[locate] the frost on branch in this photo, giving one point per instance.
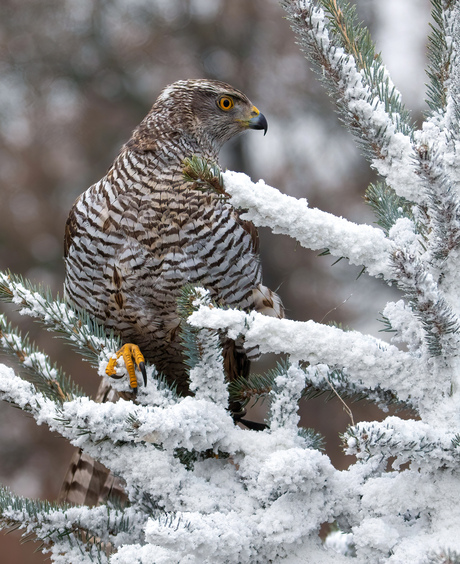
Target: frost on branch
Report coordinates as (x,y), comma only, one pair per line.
(402,516)
(202,489)
(198,486)
(312,228)
(79,329)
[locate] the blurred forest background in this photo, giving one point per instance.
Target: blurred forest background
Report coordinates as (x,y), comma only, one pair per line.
(76,76)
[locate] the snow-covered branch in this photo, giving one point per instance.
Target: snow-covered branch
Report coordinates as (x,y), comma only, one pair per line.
(81,331)
(249,486)
(366,359)
(440,322)
(367,99)
(285,395)
(71,527)
(207,374)
(413,441)
(45,376)
(191,424)
(314,229)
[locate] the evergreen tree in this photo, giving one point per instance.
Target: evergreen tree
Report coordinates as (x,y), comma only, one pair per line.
(203,490)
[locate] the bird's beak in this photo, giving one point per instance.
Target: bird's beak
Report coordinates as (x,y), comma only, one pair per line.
(258,120)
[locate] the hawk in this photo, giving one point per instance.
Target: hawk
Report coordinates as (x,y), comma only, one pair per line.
(134,239)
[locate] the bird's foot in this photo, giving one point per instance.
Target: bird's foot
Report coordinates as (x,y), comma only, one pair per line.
(132,357)
(238,412)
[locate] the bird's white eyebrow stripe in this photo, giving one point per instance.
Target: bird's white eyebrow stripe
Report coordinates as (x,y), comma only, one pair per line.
(166,93)
(207,86)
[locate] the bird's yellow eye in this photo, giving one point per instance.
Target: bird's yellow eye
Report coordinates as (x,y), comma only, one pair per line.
(226,103)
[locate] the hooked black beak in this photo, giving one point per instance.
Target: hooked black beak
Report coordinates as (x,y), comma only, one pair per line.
(258,122)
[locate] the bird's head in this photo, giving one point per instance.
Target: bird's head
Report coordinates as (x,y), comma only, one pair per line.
(221,112)
(203,112)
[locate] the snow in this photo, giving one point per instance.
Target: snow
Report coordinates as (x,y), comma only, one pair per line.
(14,388)
(339,542)
(313,228)
(201,488)
(396,158)
(366,359)
(284,398)
(408,328)
(413,440)
(207,376)
(403,233)
(274,469)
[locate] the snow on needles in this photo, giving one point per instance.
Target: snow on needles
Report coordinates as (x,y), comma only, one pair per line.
(365,358)
(362,102)
(201,489)
(235,511)
(313,228)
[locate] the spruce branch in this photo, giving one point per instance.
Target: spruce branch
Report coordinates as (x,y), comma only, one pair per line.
(400,319)
(253,388)
(409,440)
(202,350)
(106,431)
(321,377)
(443,72)
(445,220)
(388,327)
(204,174)
(78,328)
(440,322)
(356,41)
(387,206)
(439,58)
(318,380)
(60,527)
(284,397)
(367,100)
(438,141)
(314,229)
(319,344)
(311,438)
(36,366)
(440,216)
(99,427)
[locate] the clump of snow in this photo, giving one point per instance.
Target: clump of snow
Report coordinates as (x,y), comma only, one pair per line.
(407,327)
(403,233)
(284,398)
(367,360)
(340,542)
(313,228)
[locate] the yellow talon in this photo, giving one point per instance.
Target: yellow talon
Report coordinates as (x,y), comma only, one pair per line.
(131,355)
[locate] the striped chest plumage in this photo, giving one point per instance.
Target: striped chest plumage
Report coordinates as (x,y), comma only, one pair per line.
(137,238)
(139,235)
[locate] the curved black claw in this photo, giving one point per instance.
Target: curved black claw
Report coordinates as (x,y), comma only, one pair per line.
(253,425)
(239,412)
(144,372)
(117,376)
(134,391)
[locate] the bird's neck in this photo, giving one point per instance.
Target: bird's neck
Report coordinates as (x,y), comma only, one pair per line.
(160,164)
(164,154)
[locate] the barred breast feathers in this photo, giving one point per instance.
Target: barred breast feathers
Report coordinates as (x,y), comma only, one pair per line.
(136,237)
